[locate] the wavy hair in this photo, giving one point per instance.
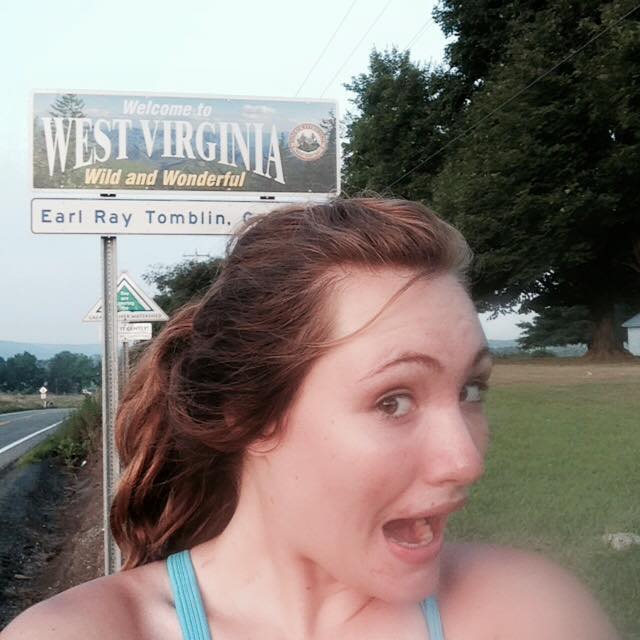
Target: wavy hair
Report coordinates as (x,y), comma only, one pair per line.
(225,368)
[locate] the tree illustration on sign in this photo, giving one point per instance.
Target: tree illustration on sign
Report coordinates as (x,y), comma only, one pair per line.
(67,106)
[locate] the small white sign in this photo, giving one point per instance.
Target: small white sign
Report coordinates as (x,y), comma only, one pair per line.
(134,331)
(134,305)
(141,217)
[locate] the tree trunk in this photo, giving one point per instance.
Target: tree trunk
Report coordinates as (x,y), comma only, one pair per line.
(606,342)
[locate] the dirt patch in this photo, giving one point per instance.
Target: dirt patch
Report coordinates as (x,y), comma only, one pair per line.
(559,371)
(51,535)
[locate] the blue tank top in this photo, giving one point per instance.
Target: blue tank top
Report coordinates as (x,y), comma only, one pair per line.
(193,619)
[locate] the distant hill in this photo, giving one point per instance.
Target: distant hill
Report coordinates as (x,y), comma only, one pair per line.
(46,351)
(499,345)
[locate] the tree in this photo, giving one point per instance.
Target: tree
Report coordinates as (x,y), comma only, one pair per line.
(545,189)
(394,127)
(3,373)
(407,114)
(70,372)
(538,168)
(557,327)
(23,372)
(182,283)
(481,32)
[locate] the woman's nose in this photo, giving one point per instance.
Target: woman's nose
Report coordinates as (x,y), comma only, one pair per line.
(455,448)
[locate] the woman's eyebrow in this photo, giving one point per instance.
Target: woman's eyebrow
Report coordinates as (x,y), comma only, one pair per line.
(415,357)
(409,357)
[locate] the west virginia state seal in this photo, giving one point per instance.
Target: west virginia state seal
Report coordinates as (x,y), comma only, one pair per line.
(308,141)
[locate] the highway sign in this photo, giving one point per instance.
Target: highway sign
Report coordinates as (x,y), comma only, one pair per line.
(141,143)
(134,305)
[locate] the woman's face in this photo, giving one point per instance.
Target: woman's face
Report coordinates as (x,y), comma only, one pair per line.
(385,437)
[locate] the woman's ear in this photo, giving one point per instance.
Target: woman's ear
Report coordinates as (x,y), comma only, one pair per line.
(266,443)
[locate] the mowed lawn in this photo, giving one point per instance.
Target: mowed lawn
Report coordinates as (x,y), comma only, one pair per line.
(562,471)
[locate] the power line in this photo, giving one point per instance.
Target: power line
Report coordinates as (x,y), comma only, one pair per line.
(373,24)
(418,33)
(513,97)
(315,64)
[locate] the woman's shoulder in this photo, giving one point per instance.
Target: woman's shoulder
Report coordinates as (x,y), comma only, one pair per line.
(130,604)
(509,592)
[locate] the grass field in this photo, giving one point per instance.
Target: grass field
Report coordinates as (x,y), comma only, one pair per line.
(17,402)
(563,470)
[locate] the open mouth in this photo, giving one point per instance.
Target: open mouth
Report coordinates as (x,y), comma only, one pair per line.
(410,533)
(416,540)
(420,539)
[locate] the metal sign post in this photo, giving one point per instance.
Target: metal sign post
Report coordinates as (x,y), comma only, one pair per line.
(111,464)
(124,374)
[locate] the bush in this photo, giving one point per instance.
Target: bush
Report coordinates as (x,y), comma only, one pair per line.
(77,438)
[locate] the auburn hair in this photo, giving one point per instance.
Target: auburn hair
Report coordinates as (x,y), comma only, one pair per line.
(227,367)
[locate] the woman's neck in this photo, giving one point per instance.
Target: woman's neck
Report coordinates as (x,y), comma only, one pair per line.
(251,567)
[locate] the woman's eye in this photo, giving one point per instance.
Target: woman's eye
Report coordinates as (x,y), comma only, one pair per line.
(396,406)
(473,392)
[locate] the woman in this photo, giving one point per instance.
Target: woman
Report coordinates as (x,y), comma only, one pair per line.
(295,443)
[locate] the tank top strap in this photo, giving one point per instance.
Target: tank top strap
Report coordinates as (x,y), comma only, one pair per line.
(431,613)
(193,619)
(187,598)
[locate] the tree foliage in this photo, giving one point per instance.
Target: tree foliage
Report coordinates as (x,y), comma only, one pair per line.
(388,136)
(184,282)
(559,326)
(66,372)
(556,327)
(541,152)
(21,372)
(543,188)
(71,372)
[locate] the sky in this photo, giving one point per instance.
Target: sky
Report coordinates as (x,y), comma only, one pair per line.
(49,282)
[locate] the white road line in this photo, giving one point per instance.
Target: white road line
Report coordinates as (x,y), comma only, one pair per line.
(32,435)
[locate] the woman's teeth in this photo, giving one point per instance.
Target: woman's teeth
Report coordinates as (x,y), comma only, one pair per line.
(409,533)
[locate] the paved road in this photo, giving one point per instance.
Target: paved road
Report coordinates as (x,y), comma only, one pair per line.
(15,427)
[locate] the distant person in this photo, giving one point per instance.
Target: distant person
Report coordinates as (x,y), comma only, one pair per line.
(294,444)
(43,395)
